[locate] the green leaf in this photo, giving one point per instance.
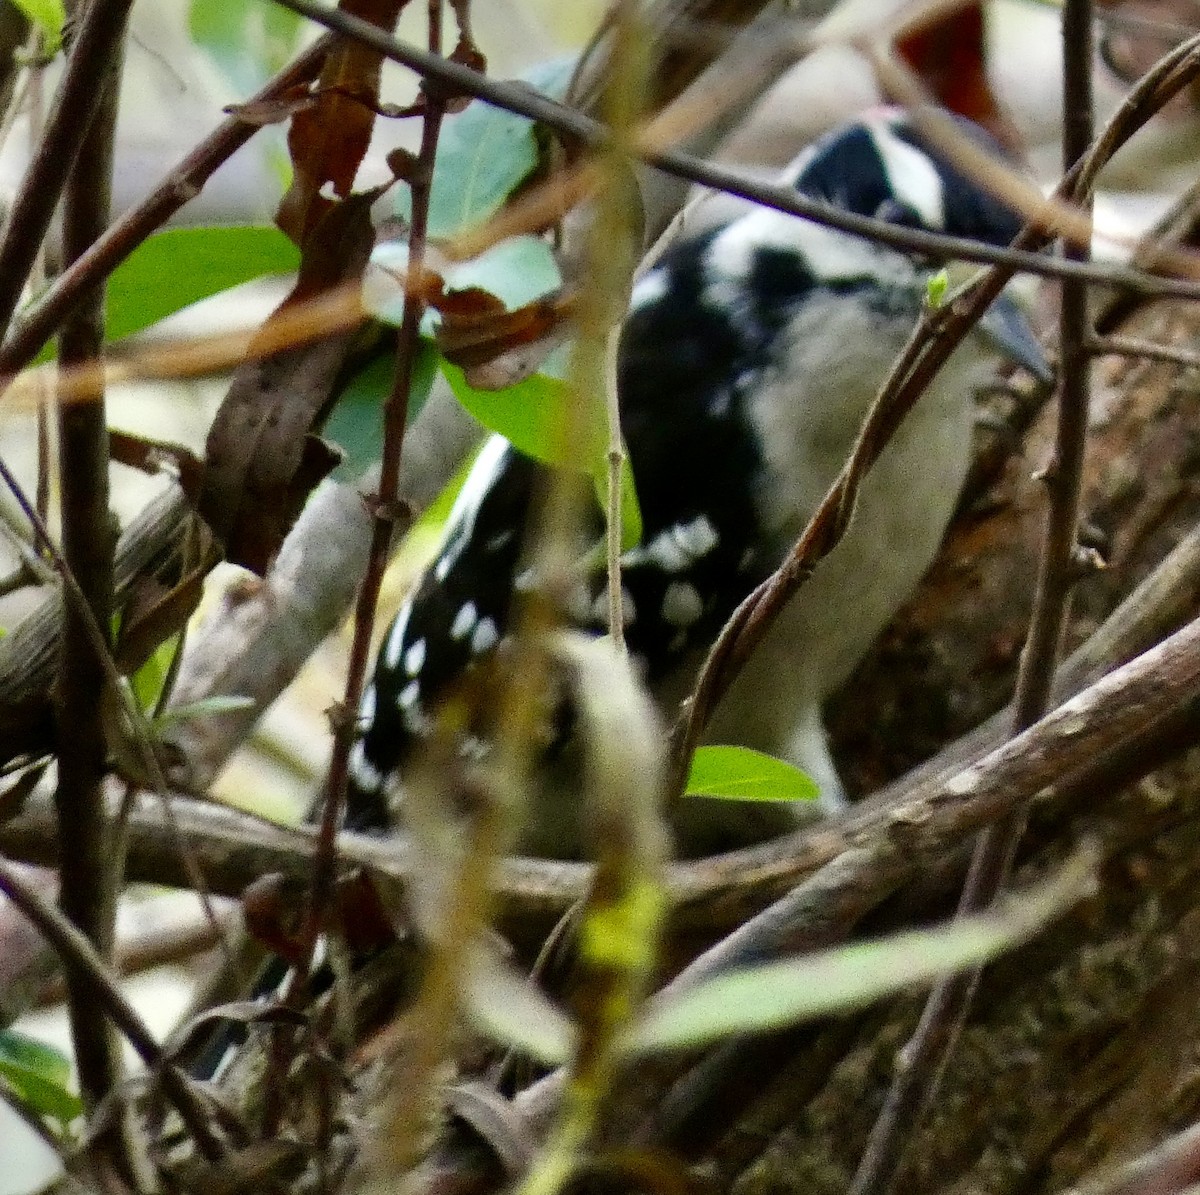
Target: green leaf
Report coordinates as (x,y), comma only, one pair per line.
(148,681)
(49,16)
(740,774)
(531,415)
(516,271)
(935,289)
(248,41)
(206,707)
(180,266)
(483,156)
(356,424)
(774,995)
(39,1074)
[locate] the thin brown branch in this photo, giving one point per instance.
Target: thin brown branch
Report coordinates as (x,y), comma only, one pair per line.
(90,872)
(100,32)
(87,968)
(922,1063)
(386,509)
(1130,346)
(37,323)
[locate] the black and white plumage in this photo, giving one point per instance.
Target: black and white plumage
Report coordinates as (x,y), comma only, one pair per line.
(749,357)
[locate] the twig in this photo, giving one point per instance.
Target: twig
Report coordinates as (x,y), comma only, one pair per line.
(1129,346)
(233,848)
(1171,1166)
(100,31)
(386,509)
(159,947)
(89,970)
(921,1064)
(595,135)
(90,871)
(36,324)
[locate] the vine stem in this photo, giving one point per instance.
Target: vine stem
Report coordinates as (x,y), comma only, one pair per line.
(923,1060)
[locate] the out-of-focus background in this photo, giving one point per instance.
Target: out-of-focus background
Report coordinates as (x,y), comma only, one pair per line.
(173,94)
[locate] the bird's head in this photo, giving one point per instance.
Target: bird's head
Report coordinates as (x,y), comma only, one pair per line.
(881,165)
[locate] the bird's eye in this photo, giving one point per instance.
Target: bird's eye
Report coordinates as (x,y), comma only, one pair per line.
(896,212)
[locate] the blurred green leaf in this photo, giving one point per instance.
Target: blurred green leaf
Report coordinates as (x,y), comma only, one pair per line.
(180,266)
(249,41)
(483,155)
(741,774)
(511,1009)
(206,707)
(49,16)
(39,1074)
(530,415)
(773,995)
(148,681)
(935,289)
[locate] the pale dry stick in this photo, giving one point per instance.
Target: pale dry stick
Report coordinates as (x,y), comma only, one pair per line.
(336,310)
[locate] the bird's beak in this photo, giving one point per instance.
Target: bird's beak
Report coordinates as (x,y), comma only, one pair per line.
(1005,325)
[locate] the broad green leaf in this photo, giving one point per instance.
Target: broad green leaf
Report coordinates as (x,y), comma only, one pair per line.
(516,271)
(530,415)
(774,995)
(483,156)
(248,41)
(180,266)
(39,1074)
(49,16)
(740,774)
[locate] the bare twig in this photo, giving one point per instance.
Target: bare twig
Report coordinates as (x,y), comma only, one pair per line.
(100,31)
(386,510)
(1172,1165)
